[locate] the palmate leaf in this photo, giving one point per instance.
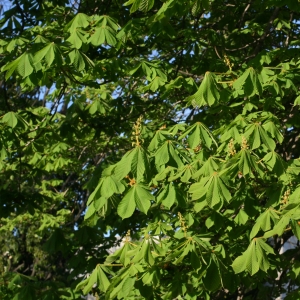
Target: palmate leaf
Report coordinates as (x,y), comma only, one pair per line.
(180,252)
(143,5)
(243,164)
(241,218)
(217,191)
(198,134)
(107,20)
(135,161)
(106,187)
(10,119)
(275,163)
(121,286)
(173,130)
(142,253)
(80,20)
(246,162)
(210,165)
(77,60)
(199,189)
(80,60)
(127,286)
(138,253)
(77,38)
(146,5)
(167,196)
(196,7)
(97,277)
(296,228)
(167,153)
(135,5)
(279,228)
(231,132)
(270,127)
(256,134)
(138,196)
(249,81)
(200,205)
(254,258)
(173,84)
(264,221)
(158,228)
(208,92)
(164,172)
(139,164)
(49,53)
(213,271)
(127,205)
(184,173)
(145,68)
(24,65)
(111,185)
(159,137)
(98,105)
(104,34)
(295,196)
(167,5)
(155,84)
(213,188)
(122,254)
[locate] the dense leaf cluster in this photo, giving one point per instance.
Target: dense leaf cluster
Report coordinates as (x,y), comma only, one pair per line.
(149,149)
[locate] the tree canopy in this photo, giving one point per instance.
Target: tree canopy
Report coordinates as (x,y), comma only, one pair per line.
(149,149)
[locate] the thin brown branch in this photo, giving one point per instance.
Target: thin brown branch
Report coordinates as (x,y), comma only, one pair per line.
(190,74)
(243,14)
(287,41)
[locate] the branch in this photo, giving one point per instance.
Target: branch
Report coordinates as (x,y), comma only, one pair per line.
(18,267)
(243,15)
(54,107)
(190,74)
(82,208)
(268,27)
(72,78)
(216,50)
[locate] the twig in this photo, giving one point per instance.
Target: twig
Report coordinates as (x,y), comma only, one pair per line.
(287,41)
(104,151)
(190,74)
(216,50)
(83,207)
(243,15)
(54,106)
(18,267)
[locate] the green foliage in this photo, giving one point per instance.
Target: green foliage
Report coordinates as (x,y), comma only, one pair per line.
(149,149)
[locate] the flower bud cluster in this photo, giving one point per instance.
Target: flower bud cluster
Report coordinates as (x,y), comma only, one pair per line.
(136,133)
(244,144)
(231,148)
